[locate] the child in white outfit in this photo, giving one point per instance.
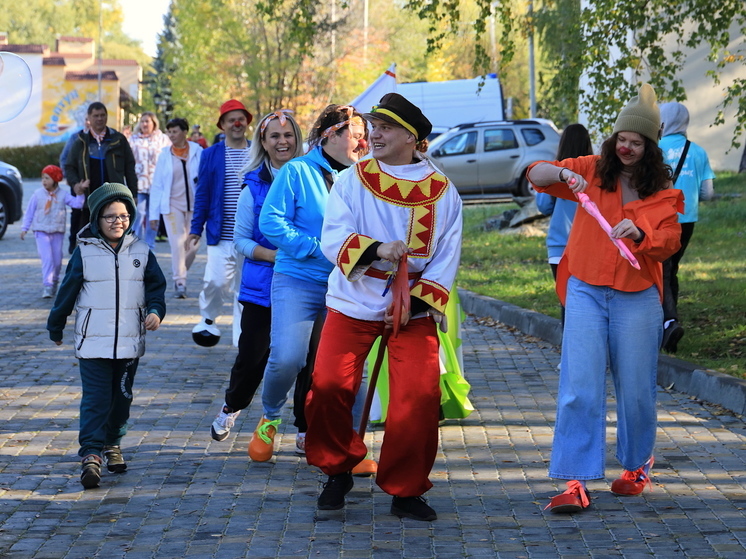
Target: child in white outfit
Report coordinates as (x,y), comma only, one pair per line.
(46,216)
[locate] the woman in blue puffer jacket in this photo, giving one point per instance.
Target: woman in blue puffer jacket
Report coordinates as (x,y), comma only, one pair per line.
(277,140)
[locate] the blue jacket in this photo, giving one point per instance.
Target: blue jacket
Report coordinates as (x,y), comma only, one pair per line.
(256,279)
(562,212)
(293,214)
(208,194)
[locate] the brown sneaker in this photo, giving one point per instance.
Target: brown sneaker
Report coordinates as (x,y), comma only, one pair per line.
(90,471)
(114,460)
(262,443)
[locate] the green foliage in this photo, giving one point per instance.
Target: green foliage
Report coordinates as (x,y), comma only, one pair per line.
(615,45)
(712,276)
(30,160)
(158,82)
(294,54)
(42,21)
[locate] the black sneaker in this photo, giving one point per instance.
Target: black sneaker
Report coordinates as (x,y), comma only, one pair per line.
(90,471)
(412,507)
(333,495)
(671,337)
(114,460)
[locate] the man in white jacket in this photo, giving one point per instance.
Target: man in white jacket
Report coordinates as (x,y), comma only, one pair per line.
(379,210)
(172,196)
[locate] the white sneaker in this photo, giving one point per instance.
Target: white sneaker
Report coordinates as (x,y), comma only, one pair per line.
(224,422)
(47,293)
(206,333)
(300,444)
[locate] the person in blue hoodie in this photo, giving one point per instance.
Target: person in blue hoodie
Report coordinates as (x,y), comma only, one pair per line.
(574,142)
(291,219)
(694,179)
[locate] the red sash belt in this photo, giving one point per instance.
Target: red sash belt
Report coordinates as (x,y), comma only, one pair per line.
(378,274)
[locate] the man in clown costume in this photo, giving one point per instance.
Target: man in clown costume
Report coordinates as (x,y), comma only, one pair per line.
(380,209)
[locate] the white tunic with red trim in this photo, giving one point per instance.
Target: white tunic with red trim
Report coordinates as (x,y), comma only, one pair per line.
(371,202)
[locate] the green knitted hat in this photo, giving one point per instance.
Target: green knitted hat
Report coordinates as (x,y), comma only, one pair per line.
(104,195)
(641,115)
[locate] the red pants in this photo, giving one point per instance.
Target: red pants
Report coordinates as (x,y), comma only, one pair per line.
(411,439)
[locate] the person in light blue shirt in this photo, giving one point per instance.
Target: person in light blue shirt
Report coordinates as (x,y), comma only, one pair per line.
(695,181)
(574,142)
(291,219)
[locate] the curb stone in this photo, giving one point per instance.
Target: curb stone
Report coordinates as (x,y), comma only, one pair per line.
(673,374)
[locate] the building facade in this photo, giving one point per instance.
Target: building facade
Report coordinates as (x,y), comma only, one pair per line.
(63,84)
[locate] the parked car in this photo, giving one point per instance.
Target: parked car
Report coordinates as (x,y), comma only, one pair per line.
(492,157)
(11,196)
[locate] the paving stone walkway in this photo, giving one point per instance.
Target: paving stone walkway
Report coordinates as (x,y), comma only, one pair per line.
(185,495)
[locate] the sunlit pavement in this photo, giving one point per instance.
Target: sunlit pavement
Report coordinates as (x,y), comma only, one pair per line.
(185,495)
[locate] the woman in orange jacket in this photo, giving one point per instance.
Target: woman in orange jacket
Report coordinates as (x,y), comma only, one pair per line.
(613,310)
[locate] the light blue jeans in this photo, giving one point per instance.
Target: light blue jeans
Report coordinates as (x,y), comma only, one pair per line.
(295,305)
(606,328)
(142,225)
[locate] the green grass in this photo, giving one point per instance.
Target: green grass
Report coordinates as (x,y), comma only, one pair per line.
(712,275)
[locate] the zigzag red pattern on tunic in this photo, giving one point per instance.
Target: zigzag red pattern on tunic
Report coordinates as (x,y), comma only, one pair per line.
(399,191)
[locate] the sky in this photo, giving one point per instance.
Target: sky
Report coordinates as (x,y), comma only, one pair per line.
(143,20)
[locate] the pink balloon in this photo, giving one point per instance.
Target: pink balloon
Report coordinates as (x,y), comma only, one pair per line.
(593,210)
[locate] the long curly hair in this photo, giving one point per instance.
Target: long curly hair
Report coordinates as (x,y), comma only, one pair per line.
(331,115)
(649,176)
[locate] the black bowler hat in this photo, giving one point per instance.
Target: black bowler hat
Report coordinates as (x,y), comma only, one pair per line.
(397,110)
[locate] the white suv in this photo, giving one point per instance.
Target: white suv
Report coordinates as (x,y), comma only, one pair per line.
(492,157)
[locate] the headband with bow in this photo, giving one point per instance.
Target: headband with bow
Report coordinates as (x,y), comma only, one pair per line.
(281,115)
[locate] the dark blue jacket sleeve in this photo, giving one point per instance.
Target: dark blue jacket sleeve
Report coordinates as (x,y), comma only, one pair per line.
(202,193)
(155,287)
(67,295)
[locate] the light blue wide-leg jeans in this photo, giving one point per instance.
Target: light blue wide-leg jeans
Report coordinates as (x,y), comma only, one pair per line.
(295,305)
(606,328)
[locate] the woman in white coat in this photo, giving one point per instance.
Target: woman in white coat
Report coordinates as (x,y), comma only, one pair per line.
(172,196)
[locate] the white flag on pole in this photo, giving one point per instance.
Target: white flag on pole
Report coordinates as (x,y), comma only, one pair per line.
(386,83)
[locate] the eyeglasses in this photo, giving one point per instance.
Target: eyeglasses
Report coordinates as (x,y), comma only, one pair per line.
(114,218)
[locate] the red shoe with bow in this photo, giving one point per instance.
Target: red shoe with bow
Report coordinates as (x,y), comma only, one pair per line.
(633,483)
(575,499)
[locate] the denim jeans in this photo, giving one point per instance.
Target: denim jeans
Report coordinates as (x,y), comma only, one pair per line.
(105,403)
(296,304)
(621,331)
(142,225)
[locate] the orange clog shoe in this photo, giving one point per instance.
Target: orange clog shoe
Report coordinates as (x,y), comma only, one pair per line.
(262,443)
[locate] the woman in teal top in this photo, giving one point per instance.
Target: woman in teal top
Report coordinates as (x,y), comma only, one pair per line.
(291,219)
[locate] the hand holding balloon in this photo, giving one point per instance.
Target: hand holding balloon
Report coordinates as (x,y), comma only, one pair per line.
(592,209)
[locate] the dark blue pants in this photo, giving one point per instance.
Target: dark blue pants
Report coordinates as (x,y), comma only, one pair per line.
(671,275)
(105,404)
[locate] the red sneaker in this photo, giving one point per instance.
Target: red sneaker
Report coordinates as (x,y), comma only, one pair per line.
(575,499)
(633,483)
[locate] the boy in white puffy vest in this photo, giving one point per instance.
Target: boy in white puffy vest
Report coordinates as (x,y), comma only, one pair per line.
(118,291)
